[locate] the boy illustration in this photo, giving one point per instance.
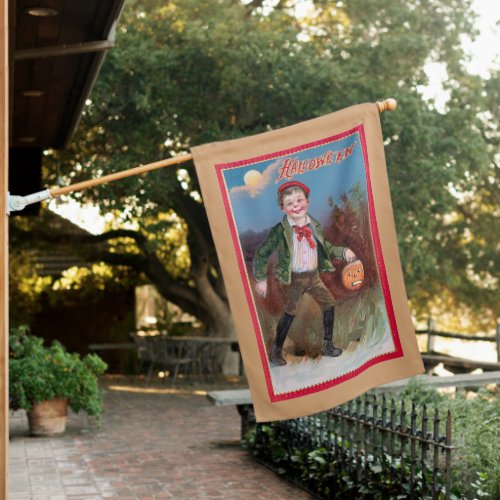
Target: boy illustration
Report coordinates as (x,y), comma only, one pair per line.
(302,253)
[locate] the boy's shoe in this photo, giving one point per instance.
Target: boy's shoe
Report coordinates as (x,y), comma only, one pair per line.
(330,350)
(276,356)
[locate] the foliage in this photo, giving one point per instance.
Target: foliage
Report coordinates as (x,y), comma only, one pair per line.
(476,433)
(421,394)
(25,286)
(30,287)
(475,465)
(39,373)
(190,72)
(335,473)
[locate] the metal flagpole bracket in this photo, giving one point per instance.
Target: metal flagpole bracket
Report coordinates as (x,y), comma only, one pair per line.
(16,203)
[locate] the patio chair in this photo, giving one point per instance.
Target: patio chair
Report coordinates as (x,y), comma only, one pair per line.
(175,356)
(212,359)
(157,351)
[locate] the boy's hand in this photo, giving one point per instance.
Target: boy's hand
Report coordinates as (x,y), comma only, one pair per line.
(261,288)
(349,255)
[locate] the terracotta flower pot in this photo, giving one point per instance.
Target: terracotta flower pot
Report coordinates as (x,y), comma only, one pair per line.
(48,418)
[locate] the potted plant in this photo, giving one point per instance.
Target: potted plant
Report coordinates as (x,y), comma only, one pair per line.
(45,380)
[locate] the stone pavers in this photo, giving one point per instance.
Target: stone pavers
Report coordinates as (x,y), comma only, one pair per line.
(163,444)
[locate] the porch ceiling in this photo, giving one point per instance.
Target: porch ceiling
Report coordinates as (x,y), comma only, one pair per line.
(55,56)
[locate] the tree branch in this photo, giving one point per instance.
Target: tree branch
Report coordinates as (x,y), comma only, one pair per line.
(119,233)
(136,261)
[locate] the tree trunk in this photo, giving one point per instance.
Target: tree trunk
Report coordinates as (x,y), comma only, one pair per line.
(221,321)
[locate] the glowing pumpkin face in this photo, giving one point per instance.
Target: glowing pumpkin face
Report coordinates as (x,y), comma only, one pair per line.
(353,275)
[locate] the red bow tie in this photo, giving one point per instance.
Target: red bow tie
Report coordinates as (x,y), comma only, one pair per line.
(307,232)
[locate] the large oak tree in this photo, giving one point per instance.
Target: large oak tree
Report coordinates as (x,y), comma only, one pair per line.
(186,72)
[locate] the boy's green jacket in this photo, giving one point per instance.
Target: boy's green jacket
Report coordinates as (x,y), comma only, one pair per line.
(280,239)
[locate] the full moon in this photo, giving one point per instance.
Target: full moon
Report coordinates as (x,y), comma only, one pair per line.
(252,178)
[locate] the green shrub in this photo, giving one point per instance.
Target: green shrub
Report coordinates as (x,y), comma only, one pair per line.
(38,373)
(333,473)
(475,465)
(475,436)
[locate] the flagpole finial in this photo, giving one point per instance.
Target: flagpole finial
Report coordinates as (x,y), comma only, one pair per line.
(387,105)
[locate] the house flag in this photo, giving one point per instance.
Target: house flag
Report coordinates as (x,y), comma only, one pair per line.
(303,225)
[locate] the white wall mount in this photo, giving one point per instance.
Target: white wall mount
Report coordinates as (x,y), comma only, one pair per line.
(16,203)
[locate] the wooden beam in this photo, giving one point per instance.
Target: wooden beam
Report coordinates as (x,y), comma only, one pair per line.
(63,50)
(4,248)
(433,359)
(463,381)
(234,397)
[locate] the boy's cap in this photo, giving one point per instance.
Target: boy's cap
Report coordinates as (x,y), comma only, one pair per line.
(294,184)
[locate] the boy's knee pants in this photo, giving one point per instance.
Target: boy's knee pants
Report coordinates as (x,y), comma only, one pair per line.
(311,283)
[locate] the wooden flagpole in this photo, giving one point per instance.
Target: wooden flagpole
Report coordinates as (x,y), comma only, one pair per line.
(387,105)
(176,160)
(4,252)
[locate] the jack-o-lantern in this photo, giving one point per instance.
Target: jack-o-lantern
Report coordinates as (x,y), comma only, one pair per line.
(353,275)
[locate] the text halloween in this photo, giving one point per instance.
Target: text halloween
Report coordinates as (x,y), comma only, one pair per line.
(293,166)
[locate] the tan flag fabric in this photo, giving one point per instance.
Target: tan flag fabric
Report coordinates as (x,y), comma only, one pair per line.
(303,225)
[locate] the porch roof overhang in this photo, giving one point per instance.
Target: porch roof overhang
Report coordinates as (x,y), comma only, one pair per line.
(57,48)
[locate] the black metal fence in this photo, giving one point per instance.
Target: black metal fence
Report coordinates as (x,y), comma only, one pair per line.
(400,452)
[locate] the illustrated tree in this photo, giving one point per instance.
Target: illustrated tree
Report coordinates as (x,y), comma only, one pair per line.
(188,72)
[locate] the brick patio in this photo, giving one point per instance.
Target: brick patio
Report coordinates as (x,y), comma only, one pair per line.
(159,444)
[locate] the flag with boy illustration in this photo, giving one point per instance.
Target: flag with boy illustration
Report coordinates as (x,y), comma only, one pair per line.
(304,229)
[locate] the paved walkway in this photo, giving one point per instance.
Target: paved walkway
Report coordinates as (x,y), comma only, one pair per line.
(150,445)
